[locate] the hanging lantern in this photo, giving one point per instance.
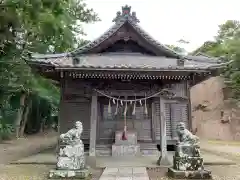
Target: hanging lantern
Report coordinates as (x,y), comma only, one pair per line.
(140,102)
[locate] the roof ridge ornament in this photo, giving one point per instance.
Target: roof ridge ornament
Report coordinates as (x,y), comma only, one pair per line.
(126,15)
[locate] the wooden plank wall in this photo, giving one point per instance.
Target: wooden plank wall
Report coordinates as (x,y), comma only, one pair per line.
(75,106)
(175,111)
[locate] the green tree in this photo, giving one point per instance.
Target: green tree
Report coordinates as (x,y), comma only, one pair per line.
(43,26)
(177,49)
(226,45)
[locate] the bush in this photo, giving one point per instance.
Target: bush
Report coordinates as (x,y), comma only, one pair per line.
(6,131)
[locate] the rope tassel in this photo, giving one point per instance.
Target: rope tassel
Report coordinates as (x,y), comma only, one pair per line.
(109,107)
(124,136)
(116,111)
(125,110)
(134,109)
(146,110)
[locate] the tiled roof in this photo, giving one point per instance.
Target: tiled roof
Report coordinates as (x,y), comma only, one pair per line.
(120,61)
(123,60)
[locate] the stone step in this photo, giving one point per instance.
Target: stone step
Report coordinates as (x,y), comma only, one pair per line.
(133,173)
(145,149)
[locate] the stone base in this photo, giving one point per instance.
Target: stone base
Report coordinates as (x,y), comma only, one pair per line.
(125,150)
(201,174)
(69,174)
(188,163)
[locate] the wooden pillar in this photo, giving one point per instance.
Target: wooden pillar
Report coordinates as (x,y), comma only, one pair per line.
(189,106)
(93,126)
(153,107)
(163,159)
(61,112)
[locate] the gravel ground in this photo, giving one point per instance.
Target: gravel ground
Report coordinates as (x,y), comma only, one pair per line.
(40,172)
(229,172)
(33,172)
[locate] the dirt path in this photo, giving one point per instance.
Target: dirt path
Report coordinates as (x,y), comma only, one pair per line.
(224,149)
(15,149)
(18,149)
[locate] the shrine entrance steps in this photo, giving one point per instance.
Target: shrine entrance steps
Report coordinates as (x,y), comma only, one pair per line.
(145,149)
(125,173)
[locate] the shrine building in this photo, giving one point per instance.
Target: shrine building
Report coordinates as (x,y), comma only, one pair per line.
(125,80)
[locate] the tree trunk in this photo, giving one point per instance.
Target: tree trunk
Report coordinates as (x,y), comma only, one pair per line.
(19,114)
(25,118)
(43,121)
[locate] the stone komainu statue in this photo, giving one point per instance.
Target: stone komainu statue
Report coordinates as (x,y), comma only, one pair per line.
(185,136)
(71,155)
(187,161)
(187,154)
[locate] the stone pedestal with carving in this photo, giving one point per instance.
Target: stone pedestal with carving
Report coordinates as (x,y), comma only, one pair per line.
(187,164)
(128,147)
(71,159)
(187,161)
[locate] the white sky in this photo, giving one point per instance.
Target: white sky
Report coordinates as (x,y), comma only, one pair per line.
(169,20)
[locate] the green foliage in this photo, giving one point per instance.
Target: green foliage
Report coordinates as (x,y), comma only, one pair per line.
(43,26)
(226,45)
(7,114)
(6,131)
(177,49)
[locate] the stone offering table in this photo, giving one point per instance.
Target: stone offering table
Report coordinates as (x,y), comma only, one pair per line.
(128,147)
(187,161)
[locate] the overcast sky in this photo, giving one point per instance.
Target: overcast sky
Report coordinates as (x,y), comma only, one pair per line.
(169,20)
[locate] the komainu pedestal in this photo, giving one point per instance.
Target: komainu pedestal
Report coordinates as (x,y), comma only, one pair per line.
(71,159)
(187,161)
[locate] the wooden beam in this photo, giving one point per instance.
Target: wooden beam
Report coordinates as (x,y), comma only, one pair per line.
(93,126)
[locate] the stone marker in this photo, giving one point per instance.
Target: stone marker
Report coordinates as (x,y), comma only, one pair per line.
(187,161)
(71,159)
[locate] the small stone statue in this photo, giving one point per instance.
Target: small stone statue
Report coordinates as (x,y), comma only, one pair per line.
(72,155)
(71,159)
(187,161)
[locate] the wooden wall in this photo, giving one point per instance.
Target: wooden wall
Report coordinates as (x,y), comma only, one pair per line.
(76,105)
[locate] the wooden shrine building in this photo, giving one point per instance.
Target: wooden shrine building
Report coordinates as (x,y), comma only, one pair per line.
(123,66)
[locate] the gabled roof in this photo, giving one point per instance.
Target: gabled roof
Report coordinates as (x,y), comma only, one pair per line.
(126,61)
(116,27)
